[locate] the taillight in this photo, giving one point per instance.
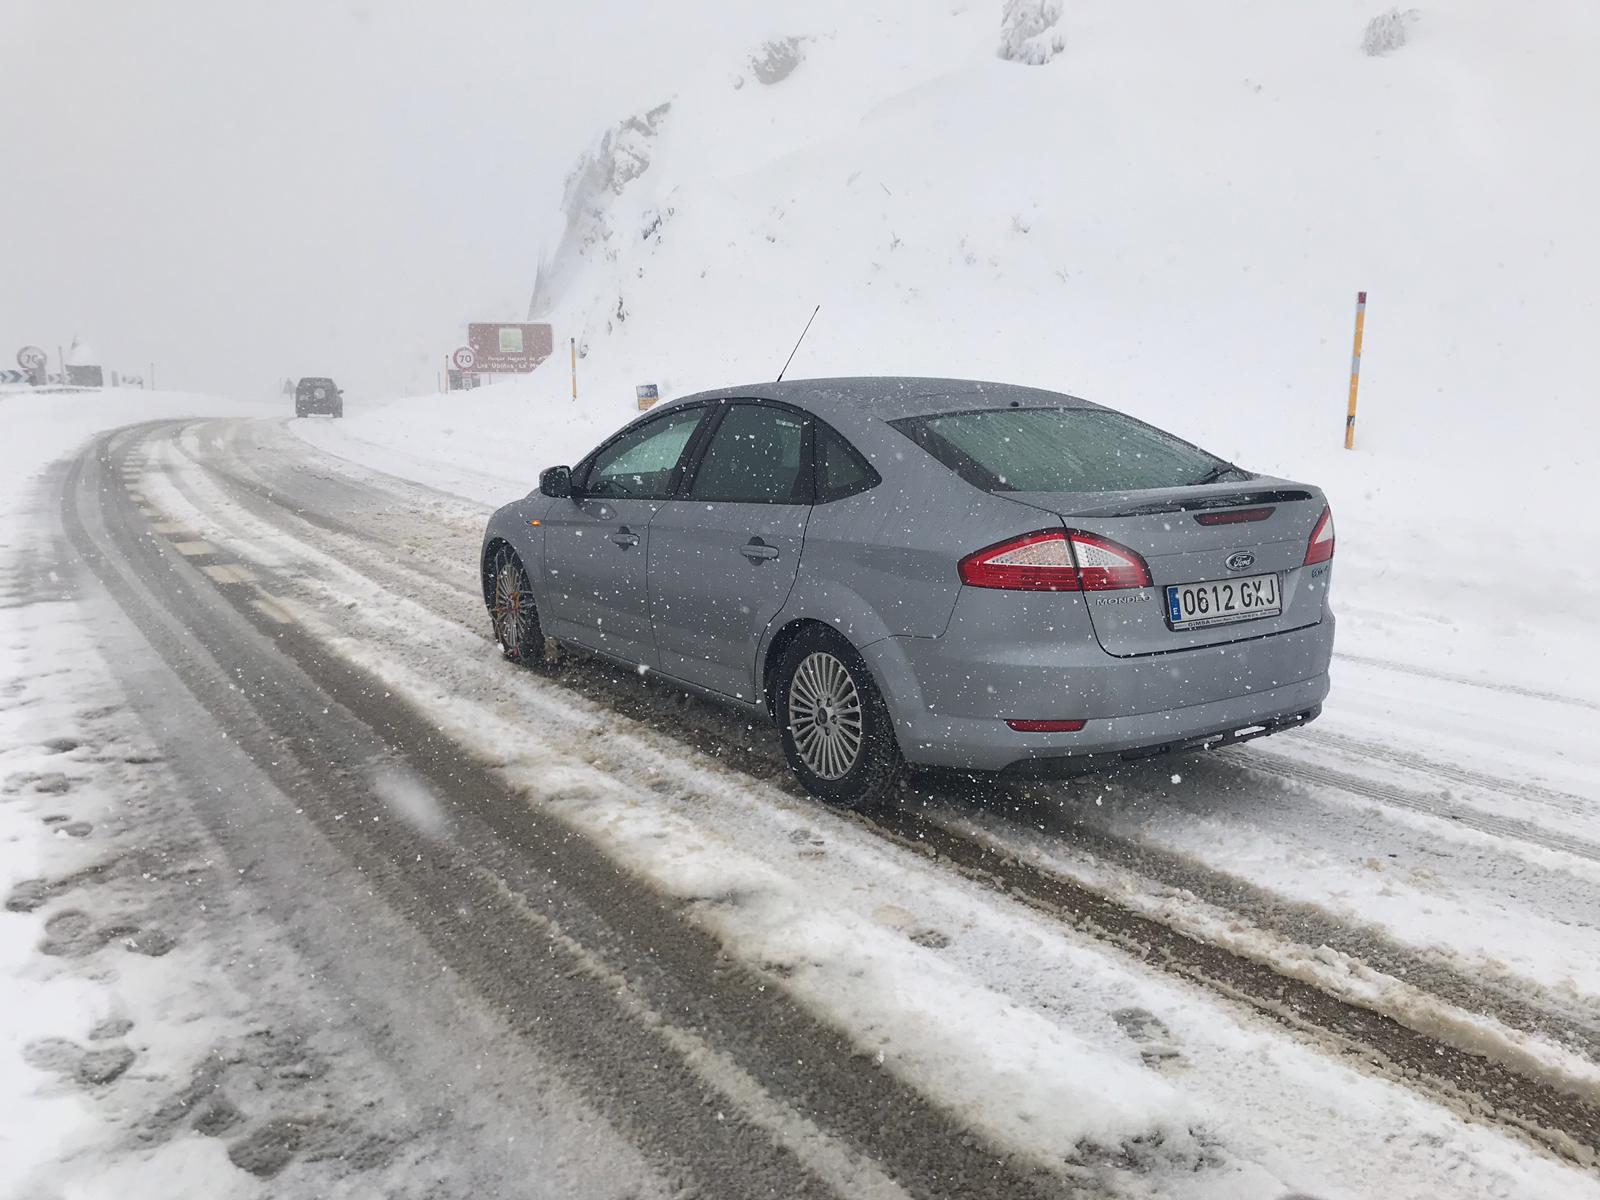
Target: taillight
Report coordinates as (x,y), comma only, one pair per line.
(1034,562)
(1104,566)
(1055,560)
(1320,548)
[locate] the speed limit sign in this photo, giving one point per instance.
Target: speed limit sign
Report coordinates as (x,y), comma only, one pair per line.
(463,358)
(31,358)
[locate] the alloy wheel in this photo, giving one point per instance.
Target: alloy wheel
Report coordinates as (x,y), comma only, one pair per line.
(512,606)
(826,715)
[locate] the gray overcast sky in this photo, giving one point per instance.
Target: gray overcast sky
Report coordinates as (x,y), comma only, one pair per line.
(239,190)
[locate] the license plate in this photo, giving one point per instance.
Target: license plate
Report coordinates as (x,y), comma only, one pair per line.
(1221,601)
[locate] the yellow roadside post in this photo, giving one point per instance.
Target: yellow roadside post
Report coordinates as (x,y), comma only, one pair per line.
(574,342)
(1355,372)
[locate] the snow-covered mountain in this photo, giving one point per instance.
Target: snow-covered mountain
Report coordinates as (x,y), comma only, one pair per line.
(1161,206)
(1171,213)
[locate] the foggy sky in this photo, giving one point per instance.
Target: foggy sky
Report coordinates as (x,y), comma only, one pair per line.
(239,191)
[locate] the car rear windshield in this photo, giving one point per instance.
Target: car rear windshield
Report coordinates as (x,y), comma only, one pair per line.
(1061,450)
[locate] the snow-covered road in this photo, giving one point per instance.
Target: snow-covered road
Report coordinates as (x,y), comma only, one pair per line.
(1354,960)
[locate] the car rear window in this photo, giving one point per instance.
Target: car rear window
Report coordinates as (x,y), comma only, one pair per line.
(1060,450)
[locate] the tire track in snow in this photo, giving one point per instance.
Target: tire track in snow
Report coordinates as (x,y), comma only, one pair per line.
(1080,849)
(1513,689)
(1560,801)
(1558,1119)
(1267,762)
(1526,1007)
(513,884)
(1259,759)
(1402,1051)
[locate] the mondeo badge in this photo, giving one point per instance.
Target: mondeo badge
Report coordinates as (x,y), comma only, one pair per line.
(1241,561)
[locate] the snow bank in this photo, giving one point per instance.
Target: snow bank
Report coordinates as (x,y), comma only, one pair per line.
(43,664)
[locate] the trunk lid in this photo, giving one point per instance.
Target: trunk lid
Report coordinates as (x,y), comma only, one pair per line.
(1164,527)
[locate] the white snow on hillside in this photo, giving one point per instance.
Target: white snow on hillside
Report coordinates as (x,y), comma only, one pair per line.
(1172,216)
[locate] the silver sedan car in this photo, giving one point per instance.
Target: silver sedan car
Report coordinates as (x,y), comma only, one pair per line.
(929,573)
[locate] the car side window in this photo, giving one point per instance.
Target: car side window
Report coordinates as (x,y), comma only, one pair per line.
(759,454)
(639,465)
(841,471)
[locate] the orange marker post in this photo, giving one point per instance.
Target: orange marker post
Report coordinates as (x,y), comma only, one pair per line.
(1355,372)
(574,367)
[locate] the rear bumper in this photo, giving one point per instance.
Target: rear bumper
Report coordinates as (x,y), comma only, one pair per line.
(950,698)
(1064,766)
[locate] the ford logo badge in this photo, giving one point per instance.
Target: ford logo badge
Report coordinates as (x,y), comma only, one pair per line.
(1241,561)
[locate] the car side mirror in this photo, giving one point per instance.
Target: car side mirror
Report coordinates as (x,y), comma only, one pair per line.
(556,482)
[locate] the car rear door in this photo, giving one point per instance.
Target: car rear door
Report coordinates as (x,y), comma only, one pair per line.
(724,556)
(596,543)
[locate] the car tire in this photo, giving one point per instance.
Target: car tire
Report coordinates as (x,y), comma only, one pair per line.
(512,613)
(299,412)
(337,413)
(836,729)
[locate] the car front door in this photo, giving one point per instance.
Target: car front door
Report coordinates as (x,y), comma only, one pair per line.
(724,554)
(596,544)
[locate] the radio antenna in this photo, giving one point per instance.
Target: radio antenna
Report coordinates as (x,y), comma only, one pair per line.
(798,340)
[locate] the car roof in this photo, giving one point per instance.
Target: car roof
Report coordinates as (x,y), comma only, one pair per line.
(888,397)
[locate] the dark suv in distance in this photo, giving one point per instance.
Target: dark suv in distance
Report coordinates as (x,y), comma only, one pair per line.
(317,395)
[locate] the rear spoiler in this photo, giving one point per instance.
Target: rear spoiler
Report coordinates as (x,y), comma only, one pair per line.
(1198,503)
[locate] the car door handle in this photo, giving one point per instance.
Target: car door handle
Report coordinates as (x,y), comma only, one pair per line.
(758,551)
(624,538)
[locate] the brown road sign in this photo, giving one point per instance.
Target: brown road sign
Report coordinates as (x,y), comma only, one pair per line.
(508,349)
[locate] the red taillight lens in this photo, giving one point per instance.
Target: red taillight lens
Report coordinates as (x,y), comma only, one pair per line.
(1055,560)
(1104,566)
(1047,726)
(1320,548)
(1034,562)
